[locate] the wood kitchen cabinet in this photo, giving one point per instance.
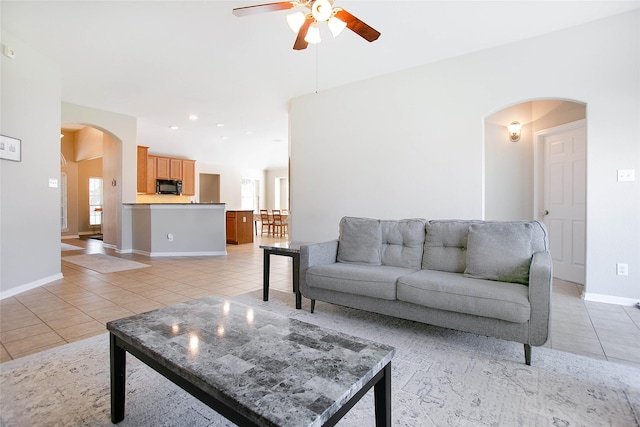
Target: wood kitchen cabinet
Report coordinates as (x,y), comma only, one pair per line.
(189,177)
(151,175)
(239,227)
(143,154)
(175,168)
(163,168)
(152,167)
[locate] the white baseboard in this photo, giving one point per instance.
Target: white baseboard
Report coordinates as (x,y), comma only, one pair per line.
(70,236)
(179,254)
(608,299)
(28,286)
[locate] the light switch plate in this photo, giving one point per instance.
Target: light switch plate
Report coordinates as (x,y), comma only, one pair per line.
(626,174)
(53,182)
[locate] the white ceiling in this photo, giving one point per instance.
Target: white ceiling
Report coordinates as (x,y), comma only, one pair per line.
(161,61)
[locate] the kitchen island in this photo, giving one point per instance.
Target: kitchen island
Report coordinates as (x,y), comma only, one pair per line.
(178,229)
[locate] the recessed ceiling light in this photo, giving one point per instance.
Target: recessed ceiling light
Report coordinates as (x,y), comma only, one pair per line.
(248,132)
(224,138)
(220,125)
(174,127)
(193,117)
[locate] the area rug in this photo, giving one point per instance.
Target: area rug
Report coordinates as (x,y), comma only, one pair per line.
(103,263)
(68,247)
(439,378)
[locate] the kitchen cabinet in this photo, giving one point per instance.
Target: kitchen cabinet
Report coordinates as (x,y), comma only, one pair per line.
(152,167)
(141,185)
(163,167)
(239,227)
(151,175)
(189,177)
(175,168)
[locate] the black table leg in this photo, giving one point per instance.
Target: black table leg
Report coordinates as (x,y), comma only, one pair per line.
(382,397)
(296,280)
(265,276)
(118,367)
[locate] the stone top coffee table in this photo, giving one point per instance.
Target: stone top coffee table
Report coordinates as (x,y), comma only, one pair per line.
(253,367)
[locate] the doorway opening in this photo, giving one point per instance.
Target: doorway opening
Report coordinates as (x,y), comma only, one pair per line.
(521,178)
(89,154)
(209,188)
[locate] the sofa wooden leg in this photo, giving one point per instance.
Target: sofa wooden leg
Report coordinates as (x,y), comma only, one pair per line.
(313,305)
(527,354)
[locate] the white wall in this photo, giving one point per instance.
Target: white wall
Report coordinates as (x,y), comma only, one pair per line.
(410,144)
(230,182)
(29,208)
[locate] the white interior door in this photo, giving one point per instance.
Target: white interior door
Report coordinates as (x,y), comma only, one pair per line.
(565,200)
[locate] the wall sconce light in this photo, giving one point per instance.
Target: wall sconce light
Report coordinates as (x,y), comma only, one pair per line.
(514,131)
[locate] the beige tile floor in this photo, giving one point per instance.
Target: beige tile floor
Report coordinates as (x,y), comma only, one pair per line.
(79,305)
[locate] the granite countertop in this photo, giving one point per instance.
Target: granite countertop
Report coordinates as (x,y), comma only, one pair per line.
(274,369)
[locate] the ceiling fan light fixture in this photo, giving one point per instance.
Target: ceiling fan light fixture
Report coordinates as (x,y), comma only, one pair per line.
(313,35)
(295,21)
(321,10)
(336,26)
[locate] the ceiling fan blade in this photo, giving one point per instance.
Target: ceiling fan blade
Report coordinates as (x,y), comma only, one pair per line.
(357,26)
(301,43)
(263,8)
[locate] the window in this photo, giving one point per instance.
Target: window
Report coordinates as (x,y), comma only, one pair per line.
(63,202)
(249,194)
(282,193)
(95,201)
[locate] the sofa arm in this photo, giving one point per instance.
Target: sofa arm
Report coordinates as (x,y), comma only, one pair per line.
(540,284)
(315,254)
(318,254)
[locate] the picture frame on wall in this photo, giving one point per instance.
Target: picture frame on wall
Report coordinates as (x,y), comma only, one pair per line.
(10,148)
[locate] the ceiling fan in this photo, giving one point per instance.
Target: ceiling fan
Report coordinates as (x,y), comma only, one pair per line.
(305,24)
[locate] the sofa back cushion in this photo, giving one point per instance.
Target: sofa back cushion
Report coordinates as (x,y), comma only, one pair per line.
(445,245)
(360,241)
(403,242)
(499,251)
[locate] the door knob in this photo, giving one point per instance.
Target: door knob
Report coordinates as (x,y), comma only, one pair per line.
(544,212)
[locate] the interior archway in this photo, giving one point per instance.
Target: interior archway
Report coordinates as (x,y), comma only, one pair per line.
(87,150)
(513,171)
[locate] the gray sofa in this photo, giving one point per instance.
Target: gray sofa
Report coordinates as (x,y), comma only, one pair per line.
(491,278)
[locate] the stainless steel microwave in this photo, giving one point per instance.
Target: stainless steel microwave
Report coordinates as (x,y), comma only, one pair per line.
(168,186)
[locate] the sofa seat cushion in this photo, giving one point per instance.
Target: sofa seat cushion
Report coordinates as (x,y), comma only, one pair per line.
(455,292)
(371,281)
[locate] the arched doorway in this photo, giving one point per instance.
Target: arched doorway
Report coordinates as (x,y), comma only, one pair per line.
(515,174)
(89,153)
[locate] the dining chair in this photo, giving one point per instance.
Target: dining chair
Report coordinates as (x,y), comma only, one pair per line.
(265,221)
(279,224)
